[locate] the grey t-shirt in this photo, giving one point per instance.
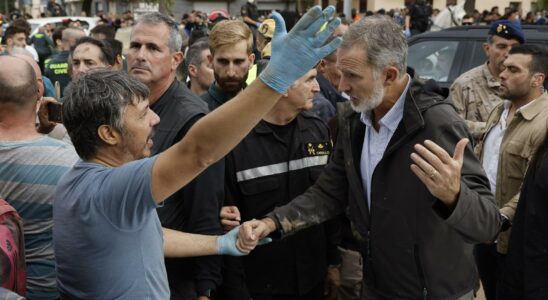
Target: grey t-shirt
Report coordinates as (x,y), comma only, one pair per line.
(107,236)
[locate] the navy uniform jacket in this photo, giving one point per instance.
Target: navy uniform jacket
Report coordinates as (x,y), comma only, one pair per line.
(264,172)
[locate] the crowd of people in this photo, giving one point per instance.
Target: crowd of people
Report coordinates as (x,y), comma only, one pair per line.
(269,157)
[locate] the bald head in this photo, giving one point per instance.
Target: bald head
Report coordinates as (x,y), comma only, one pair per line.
(37,72)
(17,82)
(28,58)
(70,36)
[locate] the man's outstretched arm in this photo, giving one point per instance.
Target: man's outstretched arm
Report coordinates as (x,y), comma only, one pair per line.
(293,54)
(184,244)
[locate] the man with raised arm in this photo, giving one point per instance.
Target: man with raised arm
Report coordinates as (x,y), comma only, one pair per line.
(108,239)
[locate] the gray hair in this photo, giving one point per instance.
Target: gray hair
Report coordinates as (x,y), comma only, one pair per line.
(194,53)
(175,41)
(99,97)
(383,40)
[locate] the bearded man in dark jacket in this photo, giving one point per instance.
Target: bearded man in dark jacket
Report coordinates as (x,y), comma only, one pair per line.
(418,209)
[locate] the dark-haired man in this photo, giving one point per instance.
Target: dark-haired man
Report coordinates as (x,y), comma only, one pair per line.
(108,232)
(475,92)
(56,67)
(153,58)
(88,54)
(199,67)
(103,32)
(514,130)
(15,36)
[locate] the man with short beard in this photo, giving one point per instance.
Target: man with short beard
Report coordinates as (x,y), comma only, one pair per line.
(513,131)
(417,208)
(474,93)
(231,46)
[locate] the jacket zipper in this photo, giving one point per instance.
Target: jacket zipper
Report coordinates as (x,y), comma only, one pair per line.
(421,273)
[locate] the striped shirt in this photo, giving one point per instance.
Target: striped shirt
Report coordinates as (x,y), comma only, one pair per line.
(29,172)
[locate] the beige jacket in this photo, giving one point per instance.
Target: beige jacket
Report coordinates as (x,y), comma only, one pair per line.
(474,95)
(523,135)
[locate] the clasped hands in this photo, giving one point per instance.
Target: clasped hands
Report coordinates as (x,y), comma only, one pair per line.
(248,235)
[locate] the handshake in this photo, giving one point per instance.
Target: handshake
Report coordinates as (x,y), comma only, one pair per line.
(241,239)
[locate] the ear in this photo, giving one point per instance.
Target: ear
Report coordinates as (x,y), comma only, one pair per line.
(537,80)
(391,75)
(40,88)
(321,66)
(109,135)
(486,48)
(118,61)
(251,59)
(192,70)
(210,58)
(176,59)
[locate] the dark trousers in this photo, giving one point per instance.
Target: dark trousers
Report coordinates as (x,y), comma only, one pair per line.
(368,294)
(183,290)
(314,294)
(490,265)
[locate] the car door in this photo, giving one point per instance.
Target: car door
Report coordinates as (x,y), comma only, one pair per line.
(439,59)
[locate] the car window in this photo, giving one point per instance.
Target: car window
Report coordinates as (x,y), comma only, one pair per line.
(432,59)
(33,26)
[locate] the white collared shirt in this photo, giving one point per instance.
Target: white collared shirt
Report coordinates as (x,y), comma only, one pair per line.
(492,143)
(375,142)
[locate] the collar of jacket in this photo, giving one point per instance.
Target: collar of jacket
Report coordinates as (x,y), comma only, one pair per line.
(166,96)
(528,112)
(533,109)
(218,95)
(420,96)
(263,128)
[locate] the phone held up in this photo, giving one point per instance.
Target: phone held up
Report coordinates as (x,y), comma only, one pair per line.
(55,109)
(55,112)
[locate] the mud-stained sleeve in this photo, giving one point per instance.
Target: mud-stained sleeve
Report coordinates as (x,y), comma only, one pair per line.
(326,199)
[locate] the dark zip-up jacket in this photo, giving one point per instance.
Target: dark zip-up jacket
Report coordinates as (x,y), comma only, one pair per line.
(525,274)
(415,247)
(265,171)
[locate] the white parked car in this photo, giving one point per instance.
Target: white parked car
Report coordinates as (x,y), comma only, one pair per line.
(87,23)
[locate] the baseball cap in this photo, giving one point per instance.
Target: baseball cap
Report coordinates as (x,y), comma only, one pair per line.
(267,28)
(218,15)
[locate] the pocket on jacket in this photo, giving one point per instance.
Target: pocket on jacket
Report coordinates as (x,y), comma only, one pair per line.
(517,159)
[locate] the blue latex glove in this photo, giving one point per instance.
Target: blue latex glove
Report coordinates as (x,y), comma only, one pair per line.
(296,52)
(407,33)
(226,244)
